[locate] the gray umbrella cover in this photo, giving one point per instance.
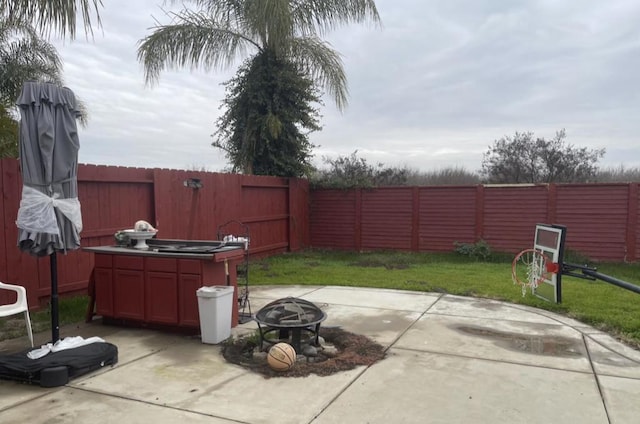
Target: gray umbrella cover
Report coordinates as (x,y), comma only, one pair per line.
(49,218)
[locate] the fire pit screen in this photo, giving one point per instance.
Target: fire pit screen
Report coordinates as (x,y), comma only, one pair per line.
(293,315)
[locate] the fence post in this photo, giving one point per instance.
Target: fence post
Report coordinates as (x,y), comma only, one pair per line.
(358,229)
(290,228)
(632,223)
(552,203)
(479,224)
(415,219)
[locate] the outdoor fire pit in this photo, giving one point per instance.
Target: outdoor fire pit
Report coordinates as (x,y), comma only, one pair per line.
(290,315)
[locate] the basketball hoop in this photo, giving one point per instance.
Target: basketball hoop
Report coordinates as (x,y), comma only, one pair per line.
(530,268)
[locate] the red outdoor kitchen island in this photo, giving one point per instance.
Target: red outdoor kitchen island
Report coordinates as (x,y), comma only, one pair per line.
(157,286)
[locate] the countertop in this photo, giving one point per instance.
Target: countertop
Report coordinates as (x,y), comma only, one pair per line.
(221,253)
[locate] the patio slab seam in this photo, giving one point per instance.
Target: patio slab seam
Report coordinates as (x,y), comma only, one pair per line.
(415,321)
(20,403)
(145,402)
(499,361)
(340,393)
(364,369)
(604,345)
(597,379)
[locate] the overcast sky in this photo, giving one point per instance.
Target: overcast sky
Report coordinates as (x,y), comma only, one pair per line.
(433,87)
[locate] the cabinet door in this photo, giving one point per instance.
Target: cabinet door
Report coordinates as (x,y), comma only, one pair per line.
(188,300)
(161,297)
(104,291)
(128,294)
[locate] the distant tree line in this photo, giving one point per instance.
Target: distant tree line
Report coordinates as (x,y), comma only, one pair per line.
(521,158)
(524,158)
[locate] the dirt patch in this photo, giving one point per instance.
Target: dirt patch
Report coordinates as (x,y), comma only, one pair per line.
(374,263)
(343,351)
(367,263)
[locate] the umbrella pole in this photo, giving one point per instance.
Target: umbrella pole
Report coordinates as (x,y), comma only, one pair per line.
(55,321)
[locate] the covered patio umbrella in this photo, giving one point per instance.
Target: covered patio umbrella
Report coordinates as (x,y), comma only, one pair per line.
(49,218)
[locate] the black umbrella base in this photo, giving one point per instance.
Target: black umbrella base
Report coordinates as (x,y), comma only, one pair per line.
(57,368)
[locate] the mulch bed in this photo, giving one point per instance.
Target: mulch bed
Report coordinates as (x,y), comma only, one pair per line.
(352,350)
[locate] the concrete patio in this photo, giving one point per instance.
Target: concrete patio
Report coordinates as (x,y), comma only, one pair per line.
(450,359)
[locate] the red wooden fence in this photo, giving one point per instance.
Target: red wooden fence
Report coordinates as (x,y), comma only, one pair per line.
(113,198)
(602,219)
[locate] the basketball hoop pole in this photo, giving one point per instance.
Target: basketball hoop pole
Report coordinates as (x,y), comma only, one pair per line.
(589,273)
(563,240)
(609,279)
(569,268)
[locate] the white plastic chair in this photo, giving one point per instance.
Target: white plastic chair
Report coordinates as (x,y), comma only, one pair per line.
(20,305)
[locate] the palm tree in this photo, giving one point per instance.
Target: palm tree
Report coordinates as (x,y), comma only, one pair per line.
(24,56)
(221,32)
(58,15)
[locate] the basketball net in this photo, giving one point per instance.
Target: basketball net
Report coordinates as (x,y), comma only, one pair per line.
(530,268)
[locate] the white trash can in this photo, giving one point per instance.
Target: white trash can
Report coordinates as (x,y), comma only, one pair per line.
(215,306)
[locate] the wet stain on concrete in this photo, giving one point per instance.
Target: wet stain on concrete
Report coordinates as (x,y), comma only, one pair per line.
(535,344)
(612,359)
(489,306)
(480,304)
(371,324)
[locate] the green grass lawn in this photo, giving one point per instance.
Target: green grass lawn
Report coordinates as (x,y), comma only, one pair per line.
(71,310)
(599,304)
(604,306)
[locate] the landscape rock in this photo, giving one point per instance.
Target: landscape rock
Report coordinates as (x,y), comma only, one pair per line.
(309,350)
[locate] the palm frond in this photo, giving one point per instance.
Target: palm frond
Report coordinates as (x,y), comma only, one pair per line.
(268,21)
(57,15)
(83,111)
(272,20)
(221,10)
(319,17)
(324,65)
(193,40)
(14,27)
(24,56)
(215,35)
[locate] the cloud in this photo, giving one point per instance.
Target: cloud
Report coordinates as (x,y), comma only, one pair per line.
(434,87)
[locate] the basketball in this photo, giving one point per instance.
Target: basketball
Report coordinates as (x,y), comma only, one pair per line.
(281,357)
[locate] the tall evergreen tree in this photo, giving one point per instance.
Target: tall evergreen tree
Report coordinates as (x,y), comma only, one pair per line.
(268,117)
(219,32)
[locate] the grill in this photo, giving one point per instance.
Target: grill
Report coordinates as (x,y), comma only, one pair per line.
(292,318)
